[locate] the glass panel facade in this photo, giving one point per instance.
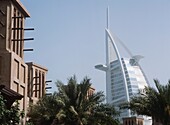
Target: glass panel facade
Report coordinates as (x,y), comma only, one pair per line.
(133,78)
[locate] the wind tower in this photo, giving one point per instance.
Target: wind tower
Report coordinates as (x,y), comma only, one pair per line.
(124,76)
(26,79)
(13,70)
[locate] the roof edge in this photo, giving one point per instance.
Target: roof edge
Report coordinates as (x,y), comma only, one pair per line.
(36,65)
(21,7)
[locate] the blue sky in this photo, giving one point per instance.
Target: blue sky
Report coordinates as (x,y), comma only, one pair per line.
(70,36)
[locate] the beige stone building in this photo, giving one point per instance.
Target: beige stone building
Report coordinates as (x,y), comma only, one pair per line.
(13,70)
(90,91)
(27,79)
(36,81)
(133,121)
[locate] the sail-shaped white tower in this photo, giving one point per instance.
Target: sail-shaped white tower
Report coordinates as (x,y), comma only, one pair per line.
(124,76)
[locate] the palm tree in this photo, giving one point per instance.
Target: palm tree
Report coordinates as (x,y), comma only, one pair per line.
(9,115)
(71,105)
(80,109)
(153,102)
(105,114)
(44,111)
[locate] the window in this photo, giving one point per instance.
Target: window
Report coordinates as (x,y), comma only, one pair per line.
(16,68)
(132,72)
(43,85)
(40,83)
(133,86)
(14,31)
(133,79)
(18,35)
(21,37)
(23,73)
(36,82)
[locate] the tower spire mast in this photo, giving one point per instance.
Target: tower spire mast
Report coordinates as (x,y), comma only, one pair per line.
(106,35)
(108,97)
(107,25)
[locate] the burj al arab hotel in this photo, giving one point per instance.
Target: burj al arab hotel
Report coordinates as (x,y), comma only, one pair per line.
(124,76)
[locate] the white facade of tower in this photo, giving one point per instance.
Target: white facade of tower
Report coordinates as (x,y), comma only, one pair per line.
(124,76)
